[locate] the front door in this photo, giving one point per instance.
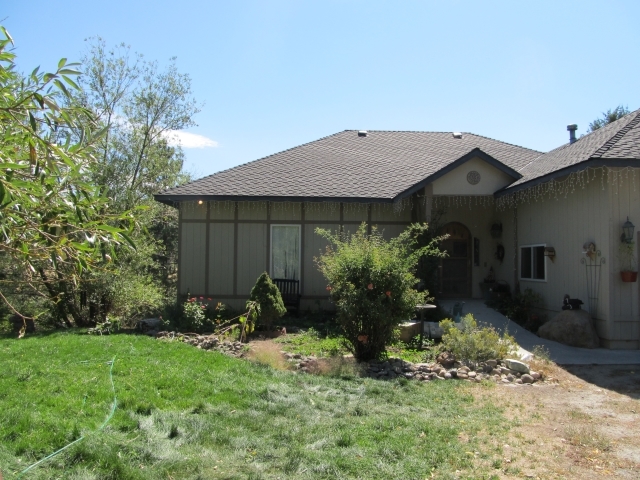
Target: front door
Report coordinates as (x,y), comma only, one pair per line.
(455,268)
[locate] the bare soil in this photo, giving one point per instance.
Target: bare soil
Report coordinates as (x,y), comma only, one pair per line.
(583,423)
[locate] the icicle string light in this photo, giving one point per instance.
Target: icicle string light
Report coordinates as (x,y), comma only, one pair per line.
(613,177)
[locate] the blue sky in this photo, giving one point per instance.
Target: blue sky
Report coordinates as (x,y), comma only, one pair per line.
(275,74)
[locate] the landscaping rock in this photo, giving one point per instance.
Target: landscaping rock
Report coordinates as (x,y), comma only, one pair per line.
(571,327)
(149,324)
(446,359)
(526,378)
(516,365)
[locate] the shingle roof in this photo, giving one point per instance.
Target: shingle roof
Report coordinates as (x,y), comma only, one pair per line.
(619,140)
(380,166)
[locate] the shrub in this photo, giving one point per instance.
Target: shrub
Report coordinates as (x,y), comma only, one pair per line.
(520,309)
(371,283)
(266,294)
(194,318)
(471,344)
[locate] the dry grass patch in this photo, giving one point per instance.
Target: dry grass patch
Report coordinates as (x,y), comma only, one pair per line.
(268,353)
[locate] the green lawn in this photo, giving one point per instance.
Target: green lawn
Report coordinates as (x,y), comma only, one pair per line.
(188,413)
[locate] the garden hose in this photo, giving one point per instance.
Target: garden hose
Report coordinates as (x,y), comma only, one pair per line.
(109,417)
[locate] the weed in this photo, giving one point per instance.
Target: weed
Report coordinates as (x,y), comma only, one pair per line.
(587,436)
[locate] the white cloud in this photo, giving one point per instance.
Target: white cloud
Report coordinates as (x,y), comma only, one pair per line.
(188,140)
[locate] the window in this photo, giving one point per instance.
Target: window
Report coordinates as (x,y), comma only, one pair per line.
(532,263)
(285,251)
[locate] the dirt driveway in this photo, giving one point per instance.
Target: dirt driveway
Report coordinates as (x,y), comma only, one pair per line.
(582,424)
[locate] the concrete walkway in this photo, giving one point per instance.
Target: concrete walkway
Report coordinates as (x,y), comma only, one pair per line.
(559,353)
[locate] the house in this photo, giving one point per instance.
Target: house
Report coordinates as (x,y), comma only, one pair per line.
(551,222)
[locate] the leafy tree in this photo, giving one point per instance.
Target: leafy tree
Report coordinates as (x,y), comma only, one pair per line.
(266,295)
(371,282)
(608,117)
(140,107)
(54,224)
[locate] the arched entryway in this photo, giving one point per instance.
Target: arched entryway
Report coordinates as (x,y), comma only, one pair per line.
(455,269)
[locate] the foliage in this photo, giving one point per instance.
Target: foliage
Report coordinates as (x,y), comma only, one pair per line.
(55,224)
(371,283)
(266,295)
(520,308)
(608,117)
(326,343)
(194,318)
(110,325)
(627,257)
(471,344)
(428,263)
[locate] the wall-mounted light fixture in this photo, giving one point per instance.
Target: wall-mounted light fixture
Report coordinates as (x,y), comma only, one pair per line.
(550,252)
(627,232)
(199,202)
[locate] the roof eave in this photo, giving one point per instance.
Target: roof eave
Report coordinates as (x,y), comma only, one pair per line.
(594,162)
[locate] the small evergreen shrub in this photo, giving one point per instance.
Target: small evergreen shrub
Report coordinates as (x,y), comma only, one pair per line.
(266,294)
(371,281)
(471,344)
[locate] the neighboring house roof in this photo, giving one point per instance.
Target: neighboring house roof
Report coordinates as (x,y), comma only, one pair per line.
(615,144)
(381,166)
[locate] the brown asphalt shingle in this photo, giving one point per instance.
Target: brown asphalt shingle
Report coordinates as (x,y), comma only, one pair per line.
(381,166)
(617,140)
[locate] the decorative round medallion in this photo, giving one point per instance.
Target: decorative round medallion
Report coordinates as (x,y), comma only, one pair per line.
(473,177)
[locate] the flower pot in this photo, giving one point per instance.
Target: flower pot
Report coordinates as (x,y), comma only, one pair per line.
(628,276)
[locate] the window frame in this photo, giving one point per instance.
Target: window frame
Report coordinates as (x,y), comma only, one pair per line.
(532,246)
(299,227)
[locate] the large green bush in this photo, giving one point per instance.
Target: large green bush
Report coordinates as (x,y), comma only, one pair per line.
(270,305)
(471,344)
(371,282)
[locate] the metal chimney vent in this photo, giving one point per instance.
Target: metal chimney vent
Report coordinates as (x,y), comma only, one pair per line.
(572,132)
(362,133)
(457,135)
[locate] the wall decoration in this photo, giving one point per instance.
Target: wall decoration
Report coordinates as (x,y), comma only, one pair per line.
(499,253)
(473,177)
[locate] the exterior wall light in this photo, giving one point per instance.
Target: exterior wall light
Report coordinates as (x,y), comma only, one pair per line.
(550,252)
(199,202)
(627,232)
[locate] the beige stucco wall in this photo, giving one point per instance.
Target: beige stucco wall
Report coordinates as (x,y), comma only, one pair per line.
(455,182)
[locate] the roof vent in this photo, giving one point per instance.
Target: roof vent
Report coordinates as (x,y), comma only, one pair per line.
(362,133)
(572,132)
(457,135)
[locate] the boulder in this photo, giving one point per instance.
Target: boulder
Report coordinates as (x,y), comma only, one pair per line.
(571,327)
(517,365)
(149,324)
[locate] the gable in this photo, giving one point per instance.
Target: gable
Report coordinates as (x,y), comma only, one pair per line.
(462,179)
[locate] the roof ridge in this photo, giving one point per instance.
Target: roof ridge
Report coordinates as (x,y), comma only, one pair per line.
(449,132)
(618,135)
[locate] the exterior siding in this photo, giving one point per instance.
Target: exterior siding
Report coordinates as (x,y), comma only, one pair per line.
(314,283)
(192,255)
(252,256)
(567,224)
(624,199)
(221,255)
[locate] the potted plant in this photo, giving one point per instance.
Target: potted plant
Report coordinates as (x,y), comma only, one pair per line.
(629,272)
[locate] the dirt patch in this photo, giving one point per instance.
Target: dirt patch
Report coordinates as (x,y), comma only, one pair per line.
(582,424)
